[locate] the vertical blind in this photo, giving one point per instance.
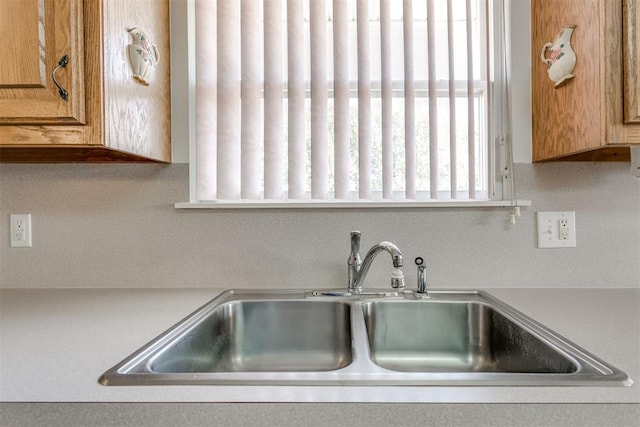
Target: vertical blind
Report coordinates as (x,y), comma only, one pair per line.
(342,99)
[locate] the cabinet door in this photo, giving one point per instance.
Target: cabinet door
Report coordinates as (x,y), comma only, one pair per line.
(35,36)
(631,55)
(567,119)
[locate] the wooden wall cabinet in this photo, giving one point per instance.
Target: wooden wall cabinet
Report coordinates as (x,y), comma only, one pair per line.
(108,116)
(595,115)
(631,58)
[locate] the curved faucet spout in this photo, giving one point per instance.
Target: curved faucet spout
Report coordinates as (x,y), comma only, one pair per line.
(357,276)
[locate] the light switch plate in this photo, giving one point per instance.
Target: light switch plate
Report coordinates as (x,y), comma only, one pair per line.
(557,229)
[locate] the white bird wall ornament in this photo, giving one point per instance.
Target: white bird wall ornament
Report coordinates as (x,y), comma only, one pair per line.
(562,58)
(143,56)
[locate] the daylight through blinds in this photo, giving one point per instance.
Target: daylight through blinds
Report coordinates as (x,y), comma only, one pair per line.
(341,99)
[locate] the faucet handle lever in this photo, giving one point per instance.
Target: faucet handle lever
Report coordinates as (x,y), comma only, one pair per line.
(354,255)
(355,242)
(354,262)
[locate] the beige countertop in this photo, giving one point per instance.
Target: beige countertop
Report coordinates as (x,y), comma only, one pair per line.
(54,345)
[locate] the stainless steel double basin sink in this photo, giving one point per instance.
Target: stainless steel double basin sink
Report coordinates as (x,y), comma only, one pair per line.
(375,338)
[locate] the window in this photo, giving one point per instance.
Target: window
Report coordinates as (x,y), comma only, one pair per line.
(348,100)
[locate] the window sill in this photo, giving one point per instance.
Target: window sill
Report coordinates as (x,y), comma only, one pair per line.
(323,204)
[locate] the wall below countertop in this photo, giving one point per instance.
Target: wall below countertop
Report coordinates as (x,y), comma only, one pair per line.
(116,226)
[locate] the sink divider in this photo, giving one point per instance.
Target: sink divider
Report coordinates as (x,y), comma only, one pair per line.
(360,343)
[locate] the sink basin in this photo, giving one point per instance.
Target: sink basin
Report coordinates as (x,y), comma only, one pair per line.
(413,336)
(375,338)
(239,336)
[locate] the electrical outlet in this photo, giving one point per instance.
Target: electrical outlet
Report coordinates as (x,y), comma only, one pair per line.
(20,230)
(557,229)
(563,229)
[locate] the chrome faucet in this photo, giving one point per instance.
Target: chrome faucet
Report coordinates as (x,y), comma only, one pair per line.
(358,268)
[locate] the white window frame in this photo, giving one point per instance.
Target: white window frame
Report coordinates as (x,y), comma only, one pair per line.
(501,180)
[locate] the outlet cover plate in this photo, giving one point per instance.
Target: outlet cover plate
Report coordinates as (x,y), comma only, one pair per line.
(20,229)
(549,235)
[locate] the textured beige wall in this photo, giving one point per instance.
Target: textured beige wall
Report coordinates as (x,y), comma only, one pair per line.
(115,226)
